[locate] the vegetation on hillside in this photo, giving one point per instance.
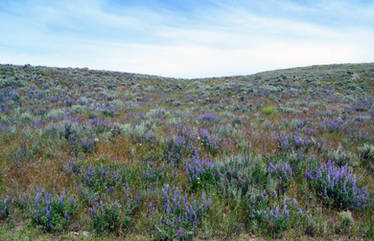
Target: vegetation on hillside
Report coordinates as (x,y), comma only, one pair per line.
(285,154)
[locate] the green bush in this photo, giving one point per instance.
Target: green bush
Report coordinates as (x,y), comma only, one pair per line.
(338,186)
(346,221)
(53,213)
(104,179)
(238,173)
(273,217)
(268,110)
(367,155)
(341,157)
(200,171)
(110,218)
(316,224)
(179,216)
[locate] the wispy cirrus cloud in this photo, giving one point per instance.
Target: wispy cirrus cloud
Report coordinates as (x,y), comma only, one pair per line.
(179,39)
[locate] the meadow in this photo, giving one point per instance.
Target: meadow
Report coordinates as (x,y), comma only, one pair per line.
(100,155)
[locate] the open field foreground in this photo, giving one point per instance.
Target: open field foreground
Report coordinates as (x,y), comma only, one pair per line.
(99,155)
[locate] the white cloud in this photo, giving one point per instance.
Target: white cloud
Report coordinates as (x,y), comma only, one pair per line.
(196,61)
(229,41)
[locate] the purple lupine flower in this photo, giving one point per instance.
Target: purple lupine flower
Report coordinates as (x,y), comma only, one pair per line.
(61,198)
(193,212)
(276,213)
(150,207)
(338,184)
(48,213)
(325,192)
(36,204)
(138,196)
(72,200)
(208,203)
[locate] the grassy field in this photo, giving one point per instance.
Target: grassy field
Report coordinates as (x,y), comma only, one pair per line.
(99,155)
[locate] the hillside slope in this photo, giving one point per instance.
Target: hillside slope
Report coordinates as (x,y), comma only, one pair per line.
(88,154)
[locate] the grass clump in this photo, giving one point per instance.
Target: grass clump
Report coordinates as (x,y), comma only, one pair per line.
(346,221)
(367,155)
(268,110)
(109,218)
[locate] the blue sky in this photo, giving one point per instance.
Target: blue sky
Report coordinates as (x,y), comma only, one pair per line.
(186,38)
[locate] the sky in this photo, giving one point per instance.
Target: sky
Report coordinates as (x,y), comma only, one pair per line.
(186,39)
